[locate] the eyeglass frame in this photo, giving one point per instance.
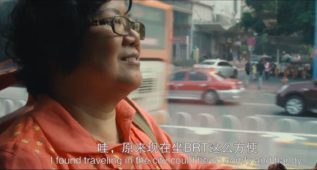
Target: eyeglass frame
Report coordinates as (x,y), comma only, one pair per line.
(110,21)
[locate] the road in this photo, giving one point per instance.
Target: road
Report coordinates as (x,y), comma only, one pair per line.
(250,133)
(252,103)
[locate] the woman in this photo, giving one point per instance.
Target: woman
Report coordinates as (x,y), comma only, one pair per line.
(79,60)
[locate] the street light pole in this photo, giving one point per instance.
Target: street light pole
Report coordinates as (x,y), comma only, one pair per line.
(315,46)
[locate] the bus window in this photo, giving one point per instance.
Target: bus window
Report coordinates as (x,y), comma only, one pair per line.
(155,56)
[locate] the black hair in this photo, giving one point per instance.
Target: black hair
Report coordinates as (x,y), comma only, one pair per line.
(48,33)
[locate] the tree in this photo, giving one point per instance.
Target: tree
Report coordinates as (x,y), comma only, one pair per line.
(294,18)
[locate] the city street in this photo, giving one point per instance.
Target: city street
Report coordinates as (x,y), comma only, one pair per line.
(253,120)
(252,103)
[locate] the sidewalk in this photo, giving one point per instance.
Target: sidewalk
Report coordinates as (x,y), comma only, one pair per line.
(271,85)
(267,87)
(239,64)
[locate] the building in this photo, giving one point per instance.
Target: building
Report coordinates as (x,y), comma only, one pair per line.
(215,28)
(182,35)
(206,26)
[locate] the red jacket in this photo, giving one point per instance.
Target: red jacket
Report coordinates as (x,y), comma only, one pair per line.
(48,137)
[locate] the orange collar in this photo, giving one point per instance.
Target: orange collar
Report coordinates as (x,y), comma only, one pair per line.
(66,134)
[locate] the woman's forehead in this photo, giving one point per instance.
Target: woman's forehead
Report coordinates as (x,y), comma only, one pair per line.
(120,7)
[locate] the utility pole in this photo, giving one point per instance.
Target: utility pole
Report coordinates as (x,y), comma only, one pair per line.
(315,46)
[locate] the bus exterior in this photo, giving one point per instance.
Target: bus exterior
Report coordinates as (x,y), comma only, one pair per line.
(155,56)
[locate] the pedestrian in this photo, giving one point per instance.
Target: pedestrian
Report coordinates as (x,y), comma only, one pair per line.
(259,70)
(247,69)
(267,69)
(284,80)
(79,60)
(274,69)
(254,72)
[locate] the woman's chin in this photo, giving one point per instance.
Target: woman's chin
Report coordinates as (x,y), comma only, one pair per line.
(135,85)
(130,85)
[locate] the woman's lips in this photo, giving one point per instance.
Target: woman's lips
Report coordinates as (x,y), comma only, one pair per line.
(131,59)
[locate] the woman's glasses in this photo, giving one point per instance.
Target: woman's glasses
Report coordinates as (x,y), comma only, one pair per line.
(122,25)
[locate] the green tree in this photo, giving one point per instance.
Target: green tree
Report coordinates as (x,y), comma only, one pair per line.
(294,18)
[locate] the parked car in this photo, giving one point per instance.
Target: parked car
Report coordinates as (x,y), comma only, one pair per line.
(297,98)
(254,61)
(219,66)
(205,85)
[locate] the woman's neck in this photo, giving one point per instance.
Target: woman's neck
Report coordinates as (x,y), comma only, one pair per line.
(99,121)
(93,106)
(101,125)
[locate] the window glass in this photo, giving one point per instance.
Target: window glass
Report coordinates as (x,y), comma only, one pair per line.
(197,76)
(208,63)
(153,19)
(247,118)
(217,76)
(224,64)
(179,76)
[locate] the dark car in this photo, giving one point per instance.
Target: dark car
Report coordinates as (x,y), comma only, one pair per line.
(297,98)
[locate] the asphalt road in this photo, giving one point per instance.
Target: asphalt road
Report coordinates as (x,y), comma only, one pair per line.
(251,103)
(250,133)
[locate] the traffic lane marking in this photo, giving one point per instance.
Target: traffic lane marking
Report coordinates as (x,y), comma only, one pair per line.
(213,130)
(277,137)
(299,118)
(259,104)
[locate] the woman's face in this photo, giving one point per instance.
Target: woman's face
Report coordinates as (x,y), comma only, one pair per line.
(110,61)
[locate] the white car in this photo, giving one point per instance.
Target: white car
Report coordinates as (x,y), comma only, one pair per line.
(220,66)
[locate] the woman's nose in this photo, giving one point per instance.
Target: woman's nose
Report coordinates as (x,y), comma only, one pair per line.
(131,39)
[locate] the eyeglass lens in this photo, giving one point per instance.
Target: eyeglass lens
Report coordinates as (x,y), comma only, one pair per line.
(122,26)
